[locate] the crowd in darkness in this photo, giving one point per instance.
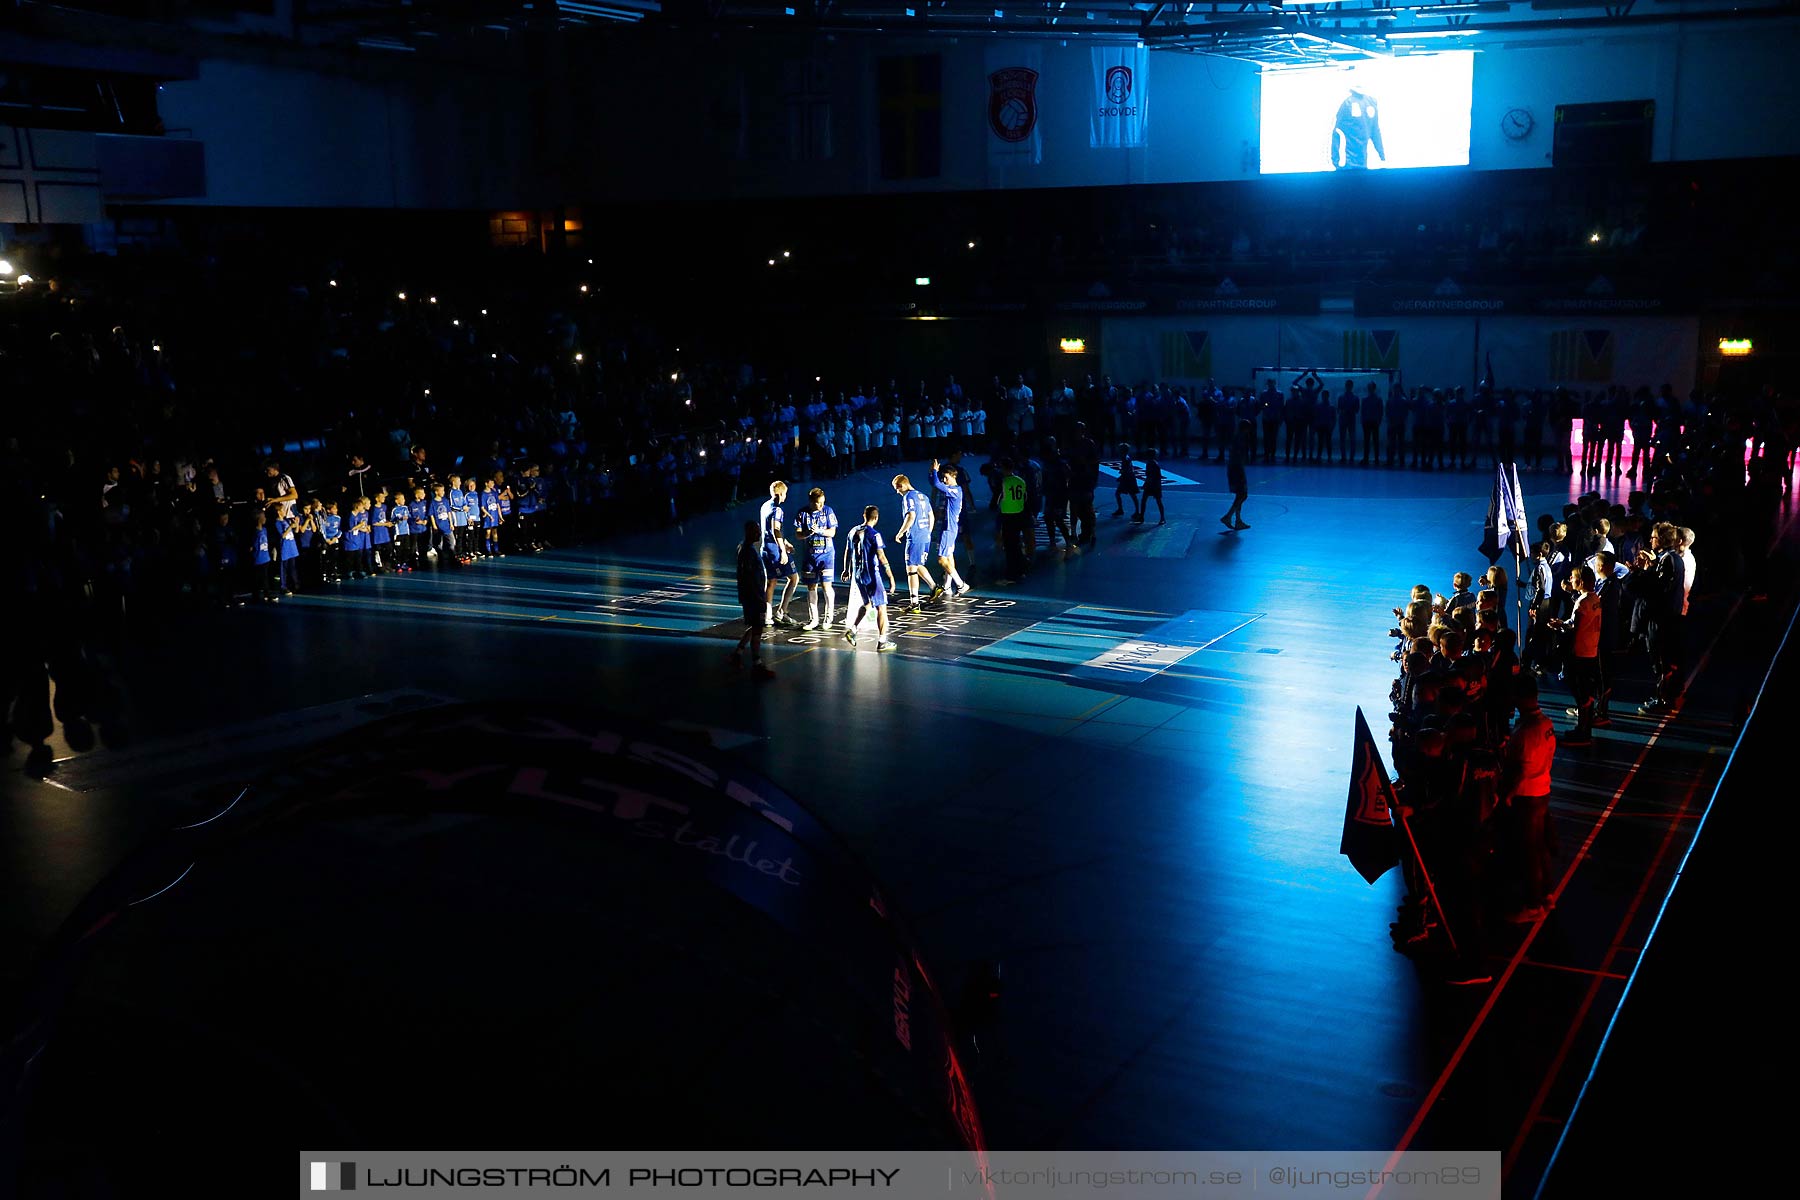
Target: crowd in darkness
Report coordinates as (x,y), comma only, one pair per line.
(1431,428)
(165,453)
(1606,588)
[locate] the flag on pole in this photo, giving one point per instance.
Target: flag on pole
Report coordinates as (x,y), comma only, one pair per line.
(1505,515)
(1370,840)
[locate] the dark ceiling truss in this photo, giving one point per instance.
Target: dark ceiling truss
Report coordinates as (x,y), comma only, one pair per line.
(1270,33)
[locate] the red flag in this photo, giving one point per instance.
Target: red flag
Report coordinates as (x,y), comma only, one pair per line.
(1370,841)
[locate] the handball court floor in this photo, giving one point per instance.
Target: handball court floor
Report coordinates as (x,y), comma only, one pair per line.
(1124,780)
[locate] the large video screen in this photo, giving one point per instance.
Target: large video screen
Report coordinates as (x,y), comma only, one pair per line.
(1376,115)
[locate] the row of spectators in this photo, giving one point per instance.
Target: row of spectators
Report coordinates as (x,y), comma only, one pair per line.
(1621,431)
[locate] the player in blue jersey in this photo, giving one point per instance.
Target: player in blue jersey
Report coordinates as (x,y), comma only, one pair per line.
(778,554)
(816,528)
(943,478)
(915,539)
(867,563)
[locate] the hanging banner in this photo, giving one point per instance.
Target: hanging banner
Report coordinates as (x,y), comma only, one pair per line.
(1116,119)
(1014,133)
(1589,352)
(909,93)
(1428,352)
(1187,351)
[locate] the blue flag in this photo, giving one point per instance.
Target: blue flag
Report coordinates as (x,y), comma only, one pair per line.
(1505,515)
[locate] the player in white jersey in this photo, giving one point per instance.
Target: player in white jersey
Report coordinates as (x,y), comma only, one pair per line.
(915,539)
(778,555)
(816,528)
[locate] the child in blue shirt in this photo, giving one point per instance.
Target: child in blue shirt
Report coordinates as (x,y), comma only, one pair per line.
(443,531)
(459,518)
(506,513)
(309,541)
(401,517)
(381,532)
(262,562)
(331,533)
(528,501)
(490,517)
(418,513)
(356,542)
(289,554)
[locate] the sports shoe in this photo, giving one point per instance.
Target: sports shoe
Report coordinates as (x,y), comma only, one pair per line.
(1602,721)
(786,622)
(884,644)
(1225,521)
(937,593)
(1242,524)
(913,605)
(761,671)
(1573,711)
(1575,739)
(1651,708)
(850,637)
(812,624)
(1526,916)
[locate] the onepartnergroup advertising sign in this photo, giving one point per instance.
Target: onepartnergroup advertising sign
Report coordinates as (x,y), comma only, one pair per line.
(910,1175)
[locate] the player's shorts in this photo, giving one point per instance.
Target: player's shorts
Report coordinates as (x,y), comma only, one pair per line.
(916,544)
(874,591)
(819,567)
(946,542)
(779,569)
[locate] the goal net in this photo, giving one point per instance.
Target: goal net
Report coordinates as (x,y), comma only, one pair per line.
(1332,379)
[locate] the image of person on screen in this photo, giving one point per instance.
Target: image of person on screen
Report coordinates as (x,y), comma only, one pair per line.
(1358,125)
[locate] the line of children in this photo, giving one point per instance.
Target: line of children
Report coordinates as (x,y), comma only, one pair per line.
(384,533)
